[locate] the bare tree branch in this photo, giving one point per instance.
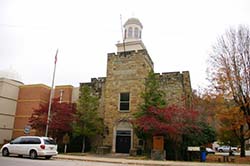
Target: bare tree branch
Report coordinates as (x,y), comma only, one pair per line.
(230,74)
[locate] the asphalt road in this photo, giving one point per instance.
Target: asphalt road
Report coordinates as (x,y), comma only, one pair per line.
(18,161)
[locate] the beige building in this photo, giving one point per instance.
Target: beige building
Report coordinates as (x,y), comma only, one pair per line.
(17,102)
(9,90)
(120,91)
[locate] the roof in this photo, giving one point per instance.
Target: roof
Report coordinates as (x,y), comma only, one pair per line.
(133,21)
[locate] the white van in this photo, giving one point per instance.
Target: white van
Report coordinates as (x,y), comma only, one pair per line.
(32,146)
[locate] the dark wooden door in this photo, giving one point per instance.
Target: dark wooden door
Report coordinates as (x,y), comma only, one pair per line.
(123,144)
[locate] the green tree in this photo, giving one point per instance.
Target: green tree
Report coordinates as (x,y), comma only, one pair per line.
(152,96)
(206,134)
(227,137)
(230,76)
(88,121)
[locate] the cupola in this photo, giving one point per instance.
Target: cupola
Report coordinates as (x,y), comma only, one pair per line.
(132,30)
(131,36)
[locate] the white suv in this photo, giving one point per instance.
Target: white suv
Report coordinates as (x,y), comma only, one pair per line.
(32,146)
(226,148)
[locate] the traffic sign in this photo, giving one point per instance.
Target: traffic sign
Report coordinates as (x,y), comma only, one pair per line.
(27,129)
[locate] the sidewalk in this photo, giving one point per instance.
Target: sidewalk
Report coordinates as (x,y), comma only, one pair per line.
(126,160)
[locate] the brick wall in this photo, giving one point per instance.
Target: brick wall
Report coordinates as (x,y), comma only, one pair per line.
(30,97)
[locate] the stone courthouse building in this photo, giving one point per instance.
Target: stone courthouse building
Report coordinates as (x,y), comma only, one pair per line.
(120,91)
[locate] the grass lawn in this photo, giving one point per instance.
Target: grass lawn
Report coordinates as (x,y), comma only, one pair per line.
(231,159)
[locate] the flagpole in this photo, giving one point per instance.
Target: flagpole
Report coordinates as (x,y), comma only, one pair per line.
(51,96)
(123,37)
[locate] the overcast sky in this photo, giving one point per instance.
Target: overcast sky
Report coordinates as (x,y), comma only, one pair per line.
(178,35)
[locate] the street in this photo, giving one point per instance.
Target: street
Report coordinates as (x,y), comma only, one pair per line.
(17,161)
(78,161)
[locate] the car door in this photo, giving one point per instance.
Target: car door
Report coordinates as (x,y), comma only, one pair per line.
(25,143)
(14,146)
(22,146)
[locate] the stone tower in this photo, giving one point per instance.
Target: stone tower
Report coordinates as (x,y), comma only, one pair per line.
(120,91)
(126,72)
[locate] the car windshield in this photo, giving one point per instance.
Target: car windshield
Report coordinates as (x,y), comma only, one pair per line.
(49,142)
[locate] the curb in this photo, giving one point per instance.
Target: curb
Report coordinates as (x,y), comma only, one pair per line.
(116,160)
(137,162)
(106,160)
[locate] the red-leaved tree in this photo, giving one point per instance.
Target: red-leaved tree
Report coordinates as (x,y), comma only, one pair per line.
(61,118)
(172,120)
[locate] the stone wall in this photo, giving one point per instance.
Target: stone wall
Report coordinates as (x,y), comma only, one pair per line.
(177,87)
(126,73)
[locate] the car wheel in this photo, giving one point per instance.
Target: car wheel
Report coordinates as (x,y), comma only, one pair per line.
(33,154)
(220,150)
(48,157)
(5,152)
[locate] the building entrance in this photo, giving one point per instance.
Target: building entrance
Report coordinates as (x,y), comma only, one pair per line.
(123,141)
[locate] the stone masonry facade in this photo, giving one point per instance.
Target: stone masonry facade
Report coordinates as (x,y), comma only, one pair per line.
(126,73)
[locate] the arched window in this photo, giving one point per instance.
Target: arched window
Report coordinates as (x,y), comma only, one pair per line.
(136,34)
(130,31)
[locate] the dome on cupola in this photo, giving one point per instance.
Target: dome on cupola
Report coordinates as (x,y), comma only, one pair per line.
(133,21)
